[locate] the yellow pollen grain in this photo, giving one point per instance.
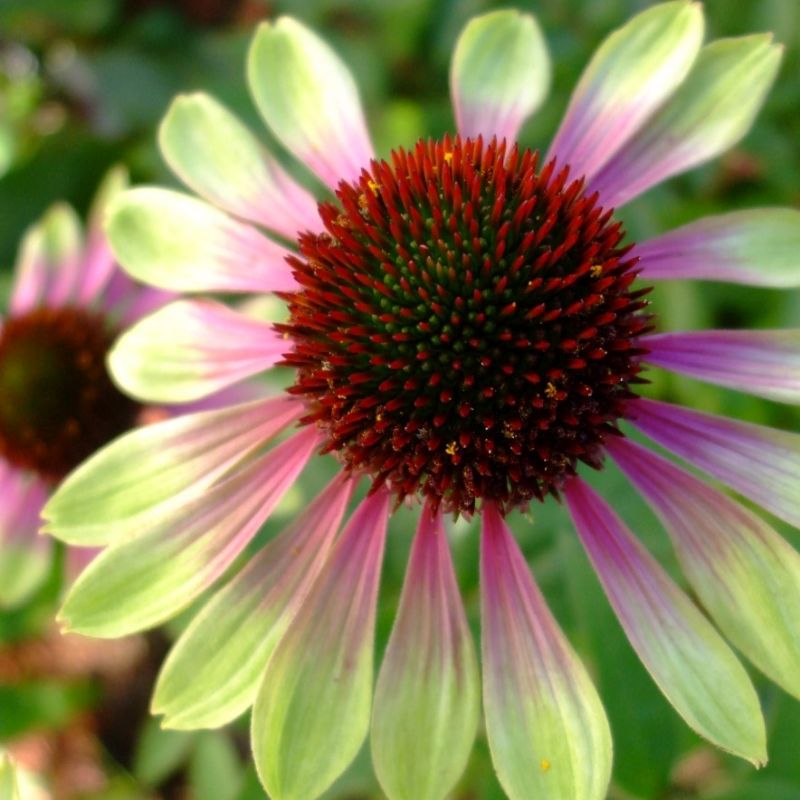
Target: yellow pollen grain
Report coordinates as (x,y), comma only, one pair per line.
(596,270)
(550,390)
(451,449)
(448,156)
(544,765)
(374,187)
(363,203)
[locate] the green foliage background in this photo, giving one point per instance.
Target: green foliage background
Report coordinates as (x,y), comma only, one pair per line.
(83,84)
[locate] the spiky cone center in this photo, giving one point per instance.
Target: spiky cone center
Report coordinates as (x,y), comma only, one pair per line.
(465,327)
(57,402)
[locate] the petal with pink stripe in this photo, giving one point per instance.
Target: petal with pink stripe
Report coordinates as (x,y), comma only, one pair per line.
(312,710)
(126,300)
(758,247)
(710,112)
(745,574)
(140,476)
(758,462)
(22,499)
(427,699)
(687,658)
(764,363)
(24,555)
(176,242)
(547,729)
(212,673)
(216,155)
(30,273)
(308,98)
(191,349)
(142,300)
(49,263)
(98,264)
(138,584)
(635,69)
(499,75)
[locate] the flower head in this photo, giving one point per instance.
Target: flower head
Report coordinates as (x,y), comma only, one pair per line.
(467,326)
(441,326)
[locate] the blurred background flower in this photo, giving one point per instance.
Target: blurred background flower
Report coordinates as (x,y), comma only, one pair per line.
(83,84)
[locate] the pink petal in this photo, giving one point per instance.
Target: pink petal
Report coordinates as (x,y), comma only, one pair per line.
(635,69)
(313,708)
(186,549)
(427,700)
(546,726)
(49,261)
(167,462)
(308,98)
(759,462)
(191,349)
(756,247)
(709,113)
(176,242)
(22,497)
(764,363)
(126,301)
(97,267)
(212,674)
(499,75)
(142,300)
(219,158)
(745,574)
(30,277)
(77,559)
(684,654)
(24,555)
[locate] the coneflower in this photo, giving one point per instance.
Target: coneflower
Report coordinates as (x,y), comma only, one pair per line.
(69,301)
(468,327)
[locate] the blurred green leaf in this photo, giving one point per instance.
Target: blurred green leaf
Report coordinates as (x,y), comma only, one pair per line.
(215,772)
(758,789)
(160,753)
(38,705)
(81,17)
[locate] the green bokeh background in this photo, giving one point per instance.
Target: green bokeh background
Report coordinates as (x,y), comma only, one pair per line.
(83,84)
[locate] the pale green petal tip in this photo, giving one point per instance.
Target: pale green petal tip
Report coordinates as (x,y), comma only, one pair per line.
(174,722)
(689,13)
(500,61)
(762,46)
(116,180)
(124,229)
(180,103)
(125,362)
(64,618)
(268,34)
(51,513)
(59,233)
(75,616)
(136,233)
(64,625)
(23,570)
(754,749)
(510,20)
(61,219)
(183,112)
(267,31)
